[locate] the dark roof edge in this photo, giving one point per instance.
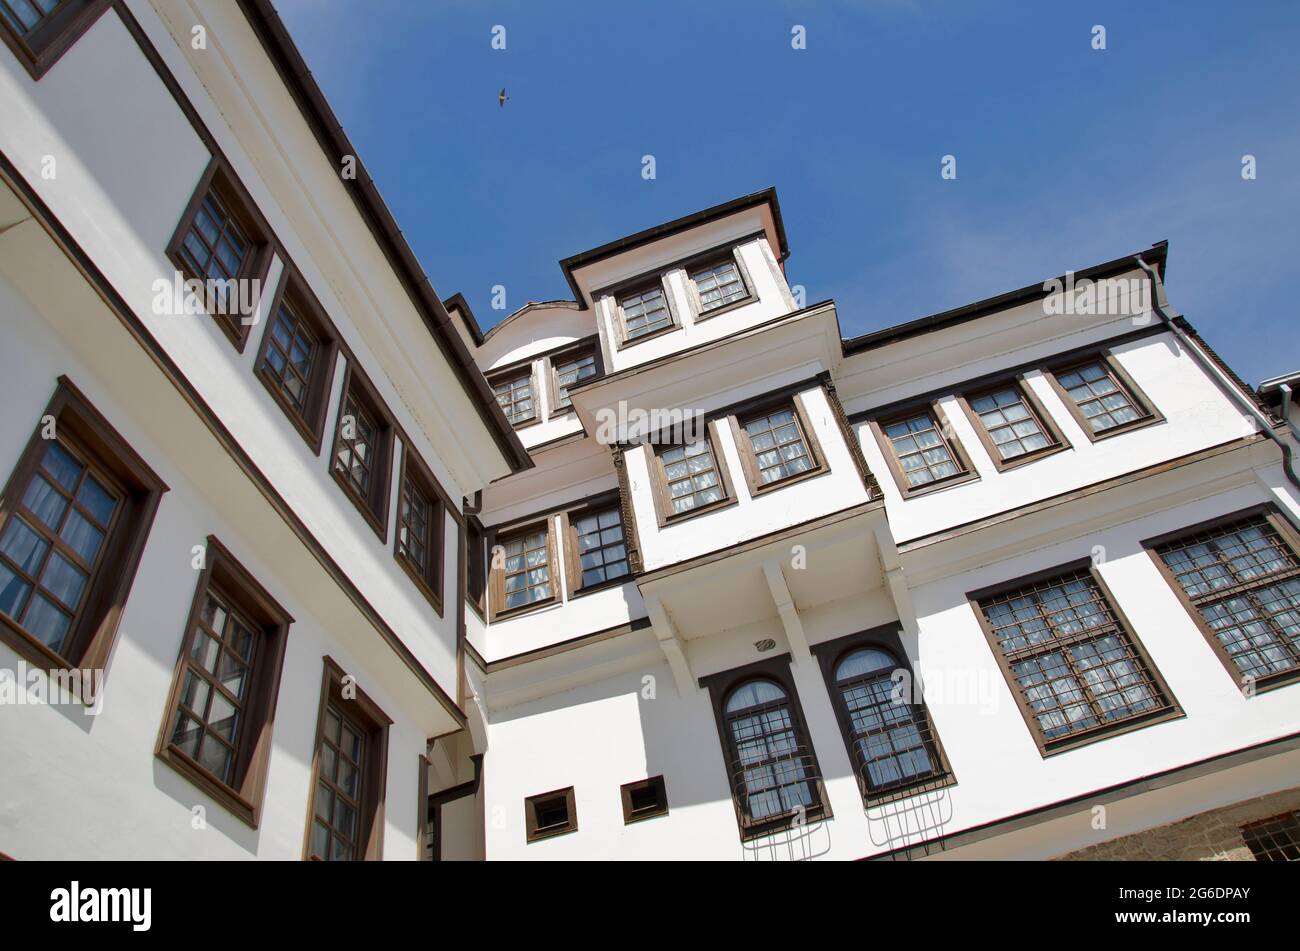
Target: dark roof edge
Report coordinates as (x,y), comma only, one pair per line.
(1155,255)
(458,303)
(677,225)
(334,142)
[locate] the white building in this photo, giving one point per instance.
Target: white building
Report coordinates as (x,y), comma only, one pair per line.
(668,570)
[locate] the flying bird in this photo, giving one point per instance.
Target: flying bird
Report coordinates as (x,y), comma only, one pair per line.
(502,97)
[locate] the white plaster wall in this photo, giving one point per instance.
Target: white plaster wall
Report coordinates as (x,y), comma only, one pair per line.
(127,164)
(78,786)
(830,492)
(1197,416)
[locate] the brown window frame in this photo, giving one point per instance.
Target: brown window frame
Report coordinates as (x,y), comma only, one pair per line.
(373,506)
(749,458)
(1121,625)
(88,644)
(573,570)
(1056,440)
(374,781)
(640,286)
(711,260)
(496,575)
(430,579)
(514,372)
(244,794)
(1139,400)
(663,502)
(40,49)
(219,177)
(887,639)
(631,812)
(476,570)
(589,346)
(535,833)
(720,687)
(294,293)
(1290,539)
(1275,839)
(966,472)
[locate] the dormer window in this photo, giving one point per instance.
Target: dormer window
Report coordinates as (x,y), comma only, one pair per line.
(570,369)
(645,312)
(516,395)
(719,283)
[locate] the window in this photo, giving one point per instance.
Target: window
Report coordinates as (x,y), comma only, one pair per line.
(550,814)
(475,564)
(419,541)
(569,370)
(1011,424)
(921,451)
(644,799)
(645,312)
(1102,398)
(362,446)
(223,241)
(40,31)
(1274,840)
(719,283)
(777,445)
(1073,665)
(597,548)
(73,521)
(523,569)
(1240,581)
(217,732)
(689,478)
(516,398)
(346,814)
(770,763)
(299,350)
(891,742)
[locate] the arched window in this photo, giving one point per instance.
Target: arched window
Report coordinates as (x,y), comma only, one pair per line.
(772,768)
(889,737)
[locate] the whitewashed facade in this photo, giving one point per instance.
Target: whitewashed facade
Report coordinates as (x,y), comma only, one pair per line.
(602,658)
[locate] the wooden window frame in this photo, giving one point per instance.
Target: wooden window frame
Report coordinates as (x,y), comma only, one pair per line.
(589,345)
(244,795)
(572,560)
(660,808)
(956,450)
(374,508)
(370,821)
(1289,536)
(256,265)
(496,576)
(1049,747)
(886,638)
(664,513)
(713,259)
(1141,402)
(639,286)
(40,49)
(749,458)
(310,421)
(720,687)
(89,643)
(1057,441)
(518,371)
(430,580)
(532,833)
(476,569)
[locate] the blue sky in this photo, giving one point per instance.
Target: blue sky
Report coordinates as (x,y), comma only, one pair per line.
(1066,156)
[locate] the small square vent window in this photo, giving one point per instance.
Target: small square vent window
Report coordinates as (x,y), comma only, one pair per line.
(644,799)
(548,814)
(1276,839)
